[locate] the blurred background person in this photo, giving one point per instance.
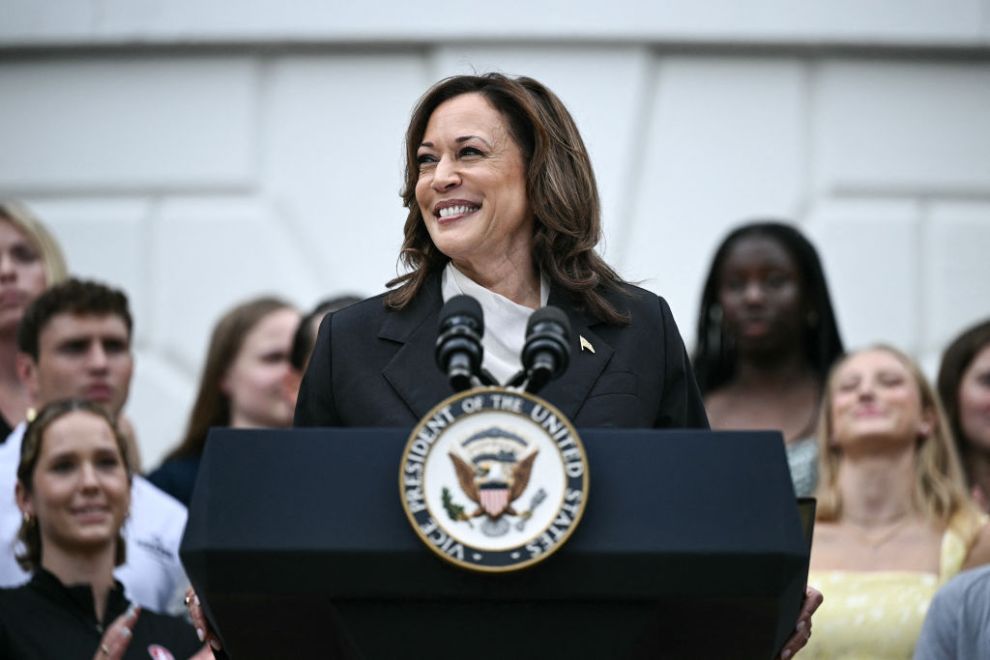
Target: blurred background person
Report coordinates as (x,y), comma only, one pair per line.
(767,336)
(304,340)
(964,386)
(894,520)
(30,262)
(957,626)
(75,342)
(242,385)
(73,492)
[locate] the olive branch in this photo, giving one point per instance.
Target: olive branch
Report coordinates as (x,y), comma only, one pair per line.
(455,511)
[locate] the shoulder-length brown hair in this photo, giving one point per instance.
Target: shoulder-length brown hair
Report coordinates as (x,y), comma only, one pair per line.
(938,492)
(29,533)
(955,361)
(212,406)
(560,187)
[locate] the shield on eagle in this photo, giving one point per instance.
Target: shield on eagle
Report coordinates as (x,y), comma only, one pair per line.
(494,498)
(493,476)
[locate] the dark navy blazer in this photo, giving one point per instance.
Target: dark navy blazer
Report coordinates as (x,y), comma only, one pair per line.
(375,367)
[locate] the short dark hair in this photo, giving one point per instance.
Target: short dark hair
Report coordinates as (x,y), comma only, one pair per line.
(73,296)
(305,337)
(714,354)
(955,361)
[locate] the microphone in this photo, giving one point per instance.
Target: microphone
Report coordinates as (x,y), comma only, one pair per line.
(459,350)
(547,350)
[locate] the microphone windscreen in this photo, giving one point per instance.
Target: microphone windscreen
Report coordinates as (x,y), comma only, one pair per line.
(463,305)
(552,315)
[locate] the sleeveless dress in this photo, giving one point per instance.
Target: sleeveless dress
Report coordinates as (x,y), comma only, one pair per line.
(874,615)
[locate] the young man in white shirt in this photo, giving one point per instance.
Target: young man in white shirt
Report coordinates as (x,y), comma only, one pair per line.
(75,342)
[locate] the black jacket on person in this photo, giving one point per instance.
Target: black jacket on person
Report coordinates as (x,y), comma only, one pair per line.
(374,367)
(46,620)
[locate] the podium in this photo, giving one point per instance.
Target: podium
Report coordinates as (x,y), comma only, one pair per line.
(690,547)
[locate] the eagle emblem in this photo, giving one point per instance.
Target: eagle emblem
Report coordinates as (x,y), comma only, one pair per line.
(493,473)
(494,480)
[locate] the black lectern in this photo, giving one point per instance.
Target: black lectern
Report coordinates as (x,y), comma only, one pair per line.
(691,546)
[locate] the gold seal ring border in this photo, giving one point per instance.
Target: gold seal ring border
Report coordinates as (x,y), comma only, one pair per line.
(450,401)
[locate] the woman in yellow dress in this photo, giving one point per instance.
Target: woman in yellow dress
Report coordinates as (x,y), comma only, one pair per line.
(894,519)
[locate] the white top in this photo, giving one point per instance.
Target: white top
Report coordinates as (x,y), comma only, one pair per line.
(152,576)
(505,321)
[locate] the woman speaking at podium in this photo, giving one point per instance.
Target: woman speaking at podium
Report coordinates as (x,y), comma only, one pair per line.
(503,207)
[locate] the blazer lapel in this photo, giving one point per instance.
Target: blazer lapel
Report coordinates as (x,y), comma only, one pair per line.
(569,391)
(413,371)
(415,377)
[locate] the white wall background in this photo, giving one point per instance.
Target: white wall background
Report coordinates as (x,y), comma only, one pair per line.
(196,153)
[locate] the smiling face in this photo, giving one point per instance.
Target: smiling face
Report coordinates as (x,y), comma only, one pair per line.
(875,397)
(471,189)
(80,491)
(255,381)
(22,275)
(759,289)
(974,401)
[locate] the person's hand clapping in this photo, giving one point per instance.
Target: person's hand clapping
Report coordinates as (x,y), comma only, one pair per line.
(116,639)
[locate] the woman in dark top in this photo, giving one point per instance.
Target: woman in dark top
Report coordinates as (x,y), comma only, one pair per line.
(73,490)
(767,337)
(242,386)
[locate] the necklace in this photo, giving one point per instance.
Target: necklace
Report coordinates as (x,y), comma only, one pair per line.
(877,540)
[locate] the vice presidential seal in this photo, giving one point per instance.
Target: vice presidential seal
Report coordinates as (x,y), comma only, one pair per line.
(494,480)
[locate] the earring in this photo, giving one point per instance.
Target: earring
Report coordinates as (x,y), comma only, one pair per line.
(27,518)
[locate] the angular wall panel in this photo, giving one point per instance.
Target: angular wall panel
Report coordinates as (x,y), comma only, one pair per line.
(723,144)
(127,124)
(333,157)
(159,404)
(875,21)
(957,246)
(873,261)
(105,239)
(903,128)
(209,255)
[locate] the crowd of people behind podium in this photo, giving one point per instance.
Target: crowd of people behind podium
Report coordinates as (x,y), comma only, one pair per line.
(900,467)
